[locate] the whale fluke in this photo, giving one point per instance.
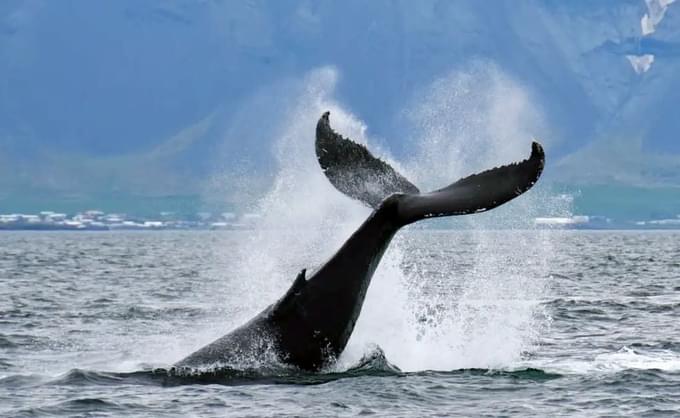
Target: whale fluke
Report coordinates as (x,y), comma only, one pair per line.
(354,171)
(478,192)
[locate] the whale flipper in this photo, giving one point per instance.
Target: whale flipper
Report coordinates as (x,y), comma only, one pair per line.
(353,170)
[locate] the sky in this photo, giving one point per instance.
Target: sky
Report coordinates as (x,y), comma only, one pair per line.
(166,98)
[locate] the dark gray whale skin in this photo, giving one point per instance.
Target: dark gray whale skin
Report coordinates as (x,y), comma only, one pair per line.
(313,321)
(311,324)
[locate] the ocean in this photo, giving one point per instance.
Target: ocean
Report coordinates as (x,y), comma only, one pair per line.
(456,323)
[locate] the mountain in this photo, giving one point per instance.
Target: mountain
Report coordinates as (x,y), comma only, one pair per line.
(152,98)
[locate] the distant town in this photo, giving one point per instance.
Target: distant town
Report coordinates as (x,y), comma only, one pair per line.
(95,220)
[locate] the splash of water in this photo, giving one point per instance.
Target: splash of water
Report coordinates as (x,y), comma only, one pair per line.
(485,313)
(303,219)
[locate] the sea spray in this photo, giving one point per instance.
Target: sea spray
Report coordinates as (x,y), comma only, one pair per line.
(303,219)
(483,310)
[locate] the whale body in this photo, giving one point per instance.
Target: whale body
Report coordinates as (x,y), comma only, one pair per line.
(310,324)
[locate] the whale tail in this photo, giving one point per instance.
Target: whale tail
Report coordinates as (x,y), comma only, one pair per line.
(353,170)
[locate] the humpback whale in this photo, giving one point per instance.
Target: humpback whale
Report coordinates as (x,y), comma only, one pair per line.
(312,322)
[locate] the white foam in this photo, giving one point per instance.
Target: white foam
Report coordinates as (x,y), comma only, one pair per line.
(613,362)
(627,358)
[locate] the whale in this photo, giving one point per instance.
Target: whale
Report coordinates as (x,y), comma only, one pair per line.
(310,325)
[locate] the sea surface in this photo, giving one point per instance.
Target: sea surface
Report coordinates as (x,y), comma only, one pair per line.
(456,323)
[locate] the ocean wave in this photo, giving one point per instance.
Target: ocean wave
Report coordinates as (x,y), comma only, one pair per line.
(373,364)
(73,406)
(19,380)
(622,360)
(527,373)
(629,359)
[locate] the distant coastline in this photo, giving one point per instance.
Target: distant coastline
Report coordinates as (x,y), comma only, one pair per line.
(95,220)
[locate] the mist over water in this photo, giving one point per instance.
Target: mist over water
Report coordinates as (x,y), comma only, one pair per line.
(303,220)
(482,314)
